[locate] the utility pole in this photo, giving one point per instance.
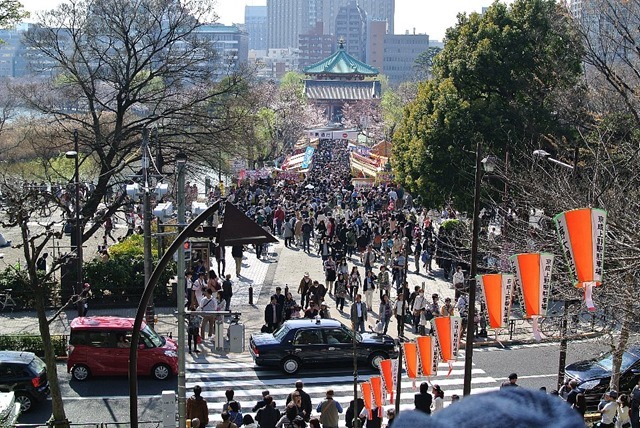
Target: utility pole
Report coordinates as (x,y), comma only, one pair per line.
(468,347)
(146,208)
(79,252)
(356,411)
(181,162)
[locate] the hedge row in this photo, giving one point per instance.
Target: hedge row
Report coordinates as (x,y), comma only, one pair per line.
(31,343)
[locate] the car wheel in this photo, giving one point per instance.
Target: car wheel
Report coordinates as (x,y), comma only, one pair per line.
(161,372)
(290,365)
(24,400)
(80,372)
(376,358)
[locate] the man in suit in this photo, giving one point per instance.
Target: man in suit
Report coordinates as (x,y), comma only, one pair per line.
(358,314)
(273,314)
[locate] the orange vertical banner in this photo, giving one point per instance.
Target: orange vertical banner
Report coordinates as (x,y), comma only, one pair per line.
(448,335)
(386,372)
(427,355)
(497,290)
(410,352)
(533,278)
(582,235)
(367,397)
(376,388)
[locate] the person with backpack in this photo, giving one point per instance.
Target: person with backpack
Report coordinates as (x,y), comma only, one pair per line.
(329,410)
(235,415)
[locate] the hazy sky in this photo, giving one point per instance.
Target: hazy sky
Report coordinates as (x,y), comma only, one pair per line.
(432,17)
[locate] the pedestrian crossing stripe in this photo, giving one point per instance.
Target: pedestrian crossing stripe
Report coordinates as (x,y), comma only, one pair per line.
(238,372)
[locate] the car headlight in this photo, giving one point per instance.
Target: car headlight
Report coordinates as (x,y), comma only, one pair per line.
(590,384)
(171,354)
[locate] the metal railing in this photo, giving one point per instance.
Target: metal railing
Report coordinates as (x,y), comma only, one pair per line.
(149,424)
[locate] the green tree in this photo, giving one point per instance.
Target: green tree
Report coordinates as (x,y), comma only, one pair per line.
(424,63)
(499,80)
(11,12)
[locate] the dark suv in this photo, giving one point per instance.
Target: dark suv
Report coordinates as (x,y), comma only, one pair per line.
(25,375)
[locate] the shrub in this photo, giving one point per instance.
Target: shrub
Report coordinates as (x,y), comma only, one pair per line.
(17,280)
(32,343)
(120,281)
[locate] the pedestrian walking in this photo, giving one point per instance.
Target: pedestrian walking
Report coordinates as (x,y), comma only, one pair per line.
(512,382)
(197,406)
(423,400)
(237,252)
(358,314)
(227,291)
(329,410)
(341,292)
(303,290)
(268,415)
(368,286)
(438,398)
(273,315)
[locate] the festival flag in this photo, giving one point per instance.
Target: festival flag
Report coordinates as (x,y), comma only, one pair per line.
(533,278)
(367,397)
(497,290)
(427,355)
(448,334)
(582,235)
(386,372)
(410,353)
(376,389)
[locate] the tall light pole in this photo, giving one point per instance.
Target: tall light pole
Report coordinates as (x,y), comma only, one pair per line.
(146,222)
(489,164)
(181,162)
(78,220)
(562,356)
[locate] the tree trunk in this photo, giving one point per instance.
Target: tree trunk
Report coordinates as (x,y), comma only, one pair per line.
(58,417)
(621,346)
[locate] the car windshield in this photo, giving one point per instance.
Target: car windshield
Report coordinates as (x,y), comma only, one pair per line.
(280,333)
(151,338)
(627,361)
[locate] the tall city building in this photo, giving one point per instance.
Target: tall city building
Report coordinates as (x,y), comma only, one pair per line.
(400,53)
(378,10)
(376,32)
(255,21)
(351,27)
(286,20)
(314,46)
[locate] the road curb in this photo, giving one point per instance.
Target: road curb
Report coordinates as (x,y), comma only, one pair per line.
(506,343)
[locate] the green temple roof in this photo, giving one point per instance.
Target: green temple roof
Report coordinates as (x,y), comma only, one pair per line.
(341,63)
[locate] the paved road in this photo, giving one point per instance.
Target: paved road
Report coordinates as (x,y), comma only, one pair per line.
(535,364)
(101,400)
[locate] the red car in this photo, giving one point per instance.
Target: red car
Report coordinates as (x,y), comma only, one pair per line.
(99,346)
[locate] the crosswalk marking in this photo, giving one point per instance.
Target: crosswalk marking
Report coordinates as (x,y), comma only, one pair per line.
(215,374)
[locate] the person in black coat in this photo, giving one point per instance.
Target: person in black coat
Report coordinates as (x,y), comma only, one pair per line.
(268,416)
(423,400)
(273,314)
(349,415)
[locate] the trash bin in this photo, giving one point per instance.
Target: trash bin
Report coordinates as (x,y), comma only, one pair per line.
(236,337)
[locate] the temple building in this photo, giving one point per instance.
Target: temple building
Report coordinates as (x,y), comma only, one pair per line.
(339,79)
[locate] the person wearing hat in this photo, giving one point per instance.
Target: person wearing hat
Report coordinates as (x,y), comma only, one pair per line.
(303,290)
(513,378)
(608,408)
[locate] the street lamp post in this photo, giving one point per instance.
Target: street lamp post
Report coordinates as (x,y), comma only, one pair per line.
(562,357)
(78,220)
(181,162)
(488,163)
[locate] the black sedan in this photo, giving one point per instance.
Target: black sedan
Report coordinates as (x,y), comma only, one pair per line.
(593,376)
(318,343)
